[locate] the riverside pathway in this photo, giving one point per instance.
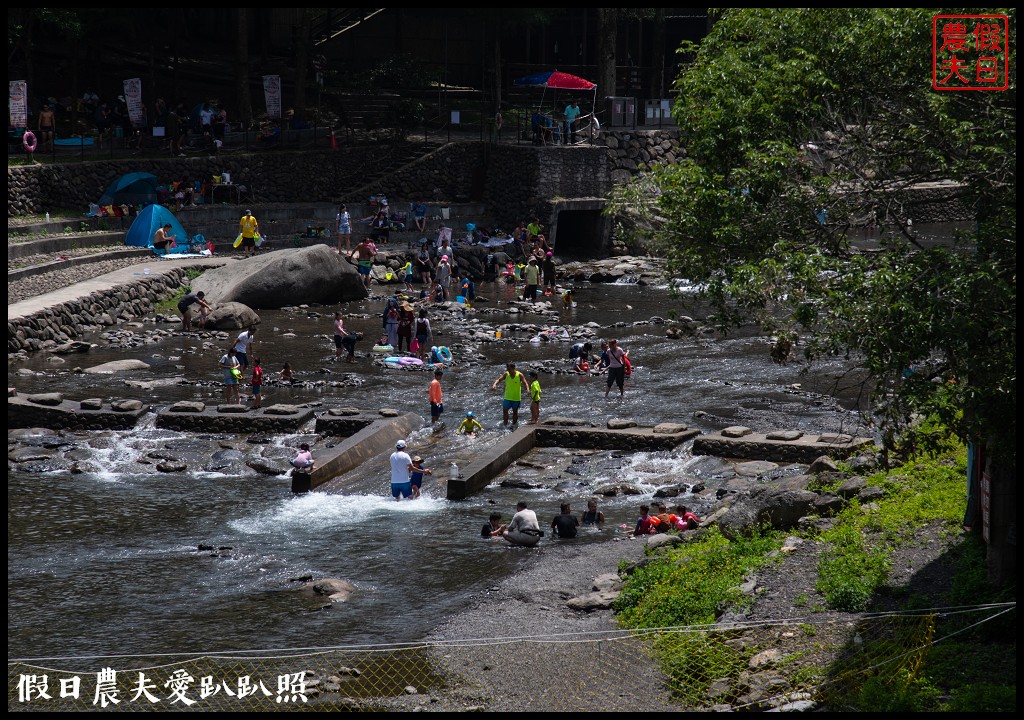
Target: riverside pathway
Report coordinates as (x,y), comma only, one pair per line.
(122,276)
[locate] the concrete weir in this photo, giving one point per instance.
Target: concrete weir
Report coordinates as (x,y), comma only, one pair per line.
(779,446)
(366,436)
(565,432)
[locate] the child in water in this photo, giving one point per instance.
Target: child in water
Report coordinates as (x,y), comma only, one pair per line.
(470,426)
(286,373)
(534,398)
(257,384)
(407,271)
(416,478)
(303,460)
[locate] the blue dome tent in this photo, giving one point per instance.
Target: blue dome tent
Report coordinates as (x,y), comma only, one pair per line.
(136,188)
(151,217)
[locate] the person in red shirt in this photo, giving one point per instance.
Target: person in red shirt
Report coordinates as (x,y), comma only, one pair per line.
(257,384)
(645,524)
(686,520)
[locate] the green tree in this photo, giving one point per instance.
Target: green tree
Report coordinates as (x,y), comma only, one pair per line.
(787,111)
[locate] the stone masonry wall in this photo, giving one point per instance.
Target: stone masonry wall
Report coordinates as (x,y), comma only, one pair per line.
(56,325)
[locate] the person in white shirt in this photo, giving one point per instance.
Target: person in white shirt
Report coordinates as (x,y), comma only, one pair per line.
(523,529)
(242,345)
(401,467)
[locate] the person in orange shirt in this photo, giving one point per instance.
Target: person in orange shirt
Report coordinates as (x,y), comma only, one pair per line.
(436,403)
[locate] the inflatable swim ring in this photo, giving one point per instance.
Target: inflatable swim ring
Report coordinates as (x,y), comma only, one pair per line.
(383,348)
(238,241)
(236,372)
(444,353)
(401,361)
(28,140)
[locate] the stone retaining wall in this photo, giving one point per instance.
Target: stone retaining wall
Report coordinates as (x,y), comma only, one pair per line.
(514,182)
(62,323)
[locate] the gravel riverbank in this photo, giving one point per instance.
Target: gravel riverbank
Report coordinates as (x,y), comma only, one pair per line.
(60,278)
(519,645)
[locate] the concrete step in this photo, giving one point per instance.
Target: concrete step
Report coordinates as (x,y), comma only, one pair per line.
(62,243)
(33,270)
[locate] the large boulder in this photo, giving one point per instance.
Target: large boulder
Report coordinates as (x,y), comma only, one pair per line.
(232,316)
(296,276)
(779,508)
(114,366)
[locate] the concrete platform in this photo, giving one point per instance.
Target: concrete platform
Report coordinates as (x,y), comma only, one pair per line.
(221,418)
(73,414)
(790,446)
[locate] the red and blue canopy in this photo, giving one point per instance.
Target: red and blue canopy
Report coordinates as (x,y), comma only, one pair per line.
(555,79)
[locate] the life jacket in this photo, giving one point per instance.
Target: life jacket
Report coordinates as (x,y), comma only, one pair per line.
(627,365)
(666,521)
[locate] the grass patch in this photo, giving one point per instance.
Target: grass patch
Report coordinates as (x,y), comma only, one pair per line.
(851,571)
(688,584)
(169,306)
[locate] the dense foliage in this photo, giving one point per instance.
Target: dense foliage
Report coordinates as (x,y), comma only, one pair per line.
(787,111)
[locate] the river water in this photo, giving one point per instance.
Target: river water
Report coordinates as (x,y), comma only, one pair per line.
(106,561)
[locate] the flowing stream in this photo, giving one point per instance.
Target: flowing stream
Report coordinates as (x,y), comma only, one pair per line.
(106,561)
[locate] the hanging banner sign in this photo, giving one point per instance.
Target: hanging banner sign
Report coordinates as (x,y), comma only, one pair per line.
(133,99)
(272,92)
(18,104)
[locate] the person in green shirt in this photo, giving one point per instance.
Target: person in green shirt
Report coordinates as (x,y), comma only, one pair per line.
(533,230)
(534,398)
(515,383)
